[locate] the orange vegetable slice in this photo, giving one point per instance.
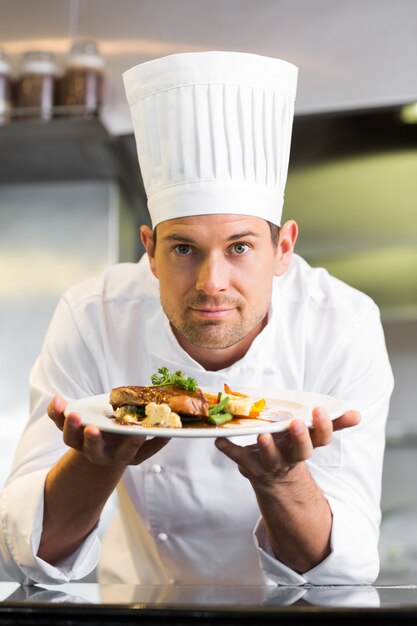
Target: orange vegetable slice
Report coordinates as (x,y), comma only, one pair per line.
(233,393)
(212,399)
(259,406)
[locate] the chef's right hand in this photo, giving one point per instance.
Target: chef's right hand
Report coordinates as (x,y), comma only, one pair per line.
(99,447)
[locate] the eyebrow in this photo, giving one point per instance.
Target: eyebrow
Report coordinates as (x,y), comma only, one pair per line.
(177,237)
(187,239)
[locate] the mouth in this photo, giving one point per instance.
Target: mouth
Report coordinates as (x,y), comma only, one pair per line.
(213,314)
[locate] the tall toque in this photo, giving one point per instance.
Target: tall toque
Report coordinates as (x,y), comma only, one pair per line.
(213,133)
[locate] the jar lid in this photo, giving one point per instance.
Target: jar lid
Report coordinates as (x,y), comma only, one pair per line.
(38,62)
(85,54)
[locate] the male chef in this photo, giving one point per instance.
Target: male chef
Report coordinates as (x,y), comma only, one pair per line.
(220,295)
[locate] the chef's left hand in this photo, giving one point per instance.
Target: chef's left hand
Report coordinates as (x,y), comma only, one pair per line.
(274,455)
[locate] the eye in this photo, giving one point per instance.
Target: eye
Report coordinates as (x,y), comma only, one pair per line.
(183,249)
(239,248)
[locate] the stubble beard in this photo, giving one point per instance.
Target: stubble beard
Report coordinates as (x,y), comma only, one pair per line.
(215,334)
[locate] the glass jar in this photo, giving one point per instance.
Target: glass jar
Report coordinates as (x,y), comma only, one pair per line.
(5,88)
(83,81)
(36,85)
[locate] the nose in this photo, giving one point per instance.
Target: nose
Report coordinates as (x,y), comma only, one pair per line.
(212,277)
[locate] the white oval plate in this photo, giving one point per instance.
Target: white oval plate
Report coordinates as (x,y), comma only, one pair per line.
(281,408)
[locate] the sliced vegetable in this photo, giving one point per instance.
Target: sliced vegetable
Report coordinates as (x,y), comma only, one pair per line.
(219,407)
(212,399)
(220,418)
(257,408)
(233,393)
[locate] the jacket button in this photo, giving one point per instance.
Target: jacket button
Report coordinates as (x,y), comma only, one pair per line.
(156,468)
(162,536)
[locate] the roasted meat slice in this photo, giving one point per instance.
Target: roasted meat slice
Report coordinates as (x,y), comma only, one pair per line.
(178,399)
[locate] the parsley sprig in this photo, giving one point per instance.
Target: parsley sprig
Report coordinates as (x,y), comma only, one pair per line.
(176,378)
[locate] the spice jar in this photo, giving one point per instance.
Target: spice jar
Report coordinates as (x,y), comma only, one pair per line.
(36,85)
(83,80)
(5,89)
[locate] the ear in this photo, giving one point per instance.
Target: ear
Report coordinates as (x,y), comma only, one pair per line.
(287,238)
(146,235)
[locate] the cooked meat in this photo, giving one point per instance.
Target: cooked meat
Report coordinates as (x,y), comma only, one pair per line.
(179,400)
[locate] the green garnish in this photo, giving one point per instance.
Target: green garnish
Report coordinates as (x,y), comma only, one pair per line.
(177,378)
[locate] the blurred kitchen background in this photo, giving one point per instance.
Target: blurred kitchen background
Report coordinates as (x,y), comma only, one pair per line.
(71,198)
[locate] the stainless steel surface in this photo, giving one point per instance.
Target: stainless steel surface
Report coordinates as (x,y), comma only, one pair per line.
(51,235)
(388,595)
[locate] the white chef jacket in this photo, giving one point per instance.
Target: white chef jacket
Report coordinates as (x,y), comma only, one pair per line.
(187,515)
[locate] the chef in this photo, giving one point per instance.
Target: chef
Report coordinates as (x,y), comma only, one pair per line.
(220,295)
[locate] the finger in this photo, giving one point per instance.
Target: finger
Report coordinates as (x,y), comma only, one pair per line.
(301,444)
(150,447)
(233,451)
(134,450)
(269,454)
(127,449)
(322,431)
(73,431)
(93,445)
(119,451)
(247,458)
(347,420)
(55,411)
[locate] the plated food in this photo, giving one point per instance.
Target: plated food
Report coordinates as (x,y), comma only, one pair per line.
(174,401)
(281,407)
(175,406)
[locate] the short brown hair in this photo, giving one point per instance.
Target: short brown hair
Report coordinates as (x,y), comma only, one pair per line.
(275,230)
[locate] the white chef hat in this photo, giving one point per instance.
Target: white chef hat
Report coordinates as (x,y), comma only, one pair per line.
(213,133)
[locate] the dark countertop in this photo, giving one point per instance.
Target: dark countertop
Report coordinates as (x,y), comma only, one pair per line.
(393,598)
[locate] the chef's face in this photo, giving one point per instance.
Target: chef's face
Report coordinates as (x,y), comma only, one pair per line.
(215,274)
